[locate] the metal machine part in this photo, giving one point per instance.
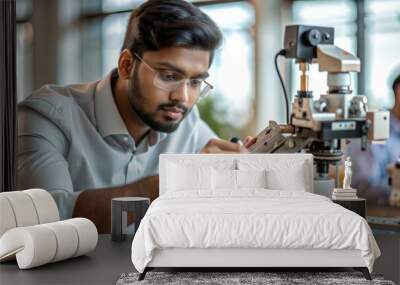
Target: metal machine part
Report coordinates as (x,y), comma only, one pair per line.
(300,41)
(319,126)
(379,125)
(331,58)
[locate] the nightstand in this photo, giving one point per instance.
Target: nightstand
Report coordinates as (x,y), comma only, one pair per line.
(356,205)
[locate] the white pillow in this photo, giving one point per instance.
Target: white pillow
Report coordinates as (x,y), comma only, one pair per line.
(282,172)
(251,178)
(226,179)
(279,180)
(223,179)
(182,177)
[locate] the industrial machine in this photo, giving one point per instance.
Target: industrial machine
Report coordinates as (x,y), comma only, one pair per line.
(320,126)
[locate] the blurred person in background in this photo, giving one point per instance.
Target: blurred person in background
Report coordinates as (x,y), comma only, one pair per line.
(370,177)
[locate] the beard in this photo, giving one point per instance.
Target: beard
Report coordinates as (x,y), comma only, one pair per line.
(137,102)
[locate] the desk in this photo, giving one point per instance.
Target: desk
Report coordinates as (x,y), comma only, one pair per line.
(388,239)
(383,211)
(102,266)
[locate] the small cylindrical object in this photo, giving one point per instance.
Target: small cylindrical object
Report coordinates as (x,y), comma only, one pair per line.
(304,67)
(339,82)
(119,209)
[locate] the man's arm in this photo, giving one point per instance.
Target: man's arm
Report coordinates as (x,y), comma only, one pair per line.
(40,165)
(40,159)
(42,148)
(96,204)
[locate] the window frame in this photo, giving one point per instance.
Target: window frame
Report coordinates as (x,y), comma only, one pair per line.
(8,96)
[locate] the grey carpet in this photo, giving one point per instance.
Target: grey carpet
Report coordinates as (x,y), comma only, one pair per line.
(228,278)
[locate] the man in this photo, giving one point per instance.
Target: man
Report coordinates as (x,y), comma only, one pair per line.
(369,167)
(88,143)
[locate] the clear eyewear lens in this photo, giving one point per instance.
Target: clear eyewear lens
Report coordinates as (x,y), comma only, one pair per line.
(159,82)
(169,86)
(165,85)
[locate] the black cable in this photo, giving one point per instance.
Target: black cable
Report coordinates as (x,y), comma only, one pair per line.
(282,52)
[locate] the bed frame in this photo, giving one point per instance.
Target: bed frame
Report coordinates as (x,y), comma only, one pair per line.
(259,259)
(250,259)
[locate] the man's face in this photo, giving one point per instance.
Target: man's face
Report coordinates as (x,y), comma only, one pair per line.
(161,109)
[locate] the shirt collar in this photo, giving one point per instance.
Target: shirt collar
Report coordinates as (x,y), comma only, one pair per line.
(109,120)
(155,137)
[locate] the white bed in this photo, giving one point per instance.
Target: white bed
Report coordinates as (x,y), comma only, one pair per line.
(253,210)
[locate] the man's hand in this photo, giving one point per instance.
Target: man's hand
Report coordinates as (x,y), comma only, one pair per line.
(249,141)
(223,146)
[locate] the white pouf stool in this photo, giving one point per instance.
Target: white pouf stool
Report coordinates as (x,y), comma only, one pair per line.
(31,231)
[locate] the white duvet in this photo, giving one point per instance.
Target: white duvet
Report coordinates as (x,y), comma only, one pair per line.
(252,218)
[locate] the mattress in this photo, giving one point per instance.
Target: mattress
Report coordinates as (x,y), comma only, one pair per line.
(250,219)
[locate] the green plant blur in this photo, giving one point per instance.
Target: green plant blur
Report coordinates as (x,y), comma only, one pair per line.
(214,117)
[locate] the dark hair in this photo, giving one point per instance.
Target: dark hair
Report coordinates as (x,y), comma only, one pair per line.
(158,24)
(395,83)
